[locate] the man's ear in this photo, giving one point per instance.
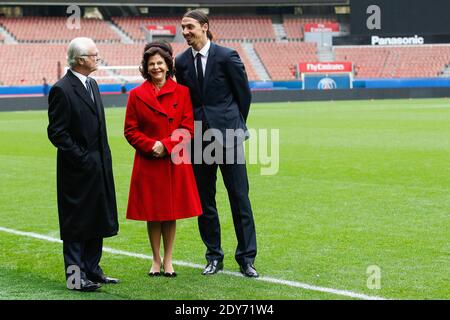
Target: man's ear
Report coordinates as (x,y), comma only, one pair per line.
(205,27)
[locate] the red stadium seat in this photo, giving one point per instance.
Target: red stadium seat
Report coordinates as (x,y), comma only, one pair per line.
(396,62)
(131,54)
(15,70)
(132,26)
(48,29)
(278,58)
(223,28)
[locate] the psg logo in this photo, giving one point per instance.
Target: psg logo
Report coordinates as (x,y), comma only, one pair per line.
(326,84)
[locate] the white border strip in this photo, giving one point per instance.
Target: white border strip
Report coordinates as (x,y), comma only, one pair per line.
(197,266)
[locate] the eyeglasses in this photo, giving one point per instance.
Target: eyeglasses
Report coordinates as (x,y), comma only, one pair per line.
(97,58)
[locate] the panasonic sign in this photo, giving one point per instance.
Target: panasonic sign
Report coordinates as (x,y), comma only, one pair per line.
(397,41)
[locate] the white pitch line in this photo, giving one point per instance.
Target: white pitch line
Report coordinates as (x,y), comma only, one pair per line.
(198,266)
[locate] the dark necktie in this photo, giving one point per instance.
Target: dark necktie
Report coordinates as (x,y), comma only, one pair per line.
(89,89)
(198,59)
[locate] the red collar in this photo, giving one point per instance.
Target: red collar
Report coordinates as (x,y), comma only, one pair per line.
(147,93)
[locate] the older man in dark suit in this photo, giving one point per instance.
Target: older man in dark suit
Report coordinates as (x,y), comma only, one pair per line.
(221,98)
(85,186)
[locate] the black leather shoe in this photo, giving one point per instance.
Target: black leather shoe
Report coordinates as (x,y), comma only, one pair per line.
(109,280)
(212,267)
(87,286)
(249,270)
(103,279)
(170,274)
(154,274)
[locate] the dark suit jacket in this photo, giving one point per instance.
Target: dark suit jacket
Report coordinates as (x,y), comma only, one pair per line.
(225,96)
(85,186)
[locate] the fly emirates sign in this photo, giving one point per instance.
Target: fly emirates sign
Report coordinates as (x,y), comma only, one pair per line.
(327,67)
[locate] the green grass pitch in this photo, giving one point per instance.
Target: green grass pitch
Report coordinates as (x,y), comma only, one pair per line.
(360,183)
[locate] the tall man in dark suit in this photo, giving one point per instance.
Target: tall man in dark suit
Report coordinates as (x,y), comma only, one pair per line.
(221,98)
(85,186)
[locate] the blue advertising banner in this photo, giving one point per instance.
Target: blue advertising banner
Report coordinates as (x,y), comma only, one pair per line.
(326,82)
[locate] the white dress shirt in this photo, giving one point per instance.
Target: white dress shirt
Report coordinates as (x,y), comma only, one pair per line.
(204,52)
(80,76)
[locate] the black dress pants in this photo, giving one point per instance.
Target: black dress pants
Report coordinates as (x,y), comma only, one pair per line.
(236,182)
(85,255)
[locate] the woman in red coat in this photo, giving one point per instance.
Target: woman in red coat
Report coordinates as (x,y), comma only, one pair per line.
(161,191)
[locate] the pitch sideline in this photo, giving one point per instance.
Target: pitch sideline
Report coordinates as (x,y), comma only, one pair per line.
(198,266)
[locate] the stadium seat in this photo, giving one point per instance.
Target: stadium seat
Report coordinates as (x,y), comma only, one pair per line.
(396,62)
(131,54)
(43,61)
(279,58)
(223,28)
(132,26)
(242,28)
(28,64)
(54,29)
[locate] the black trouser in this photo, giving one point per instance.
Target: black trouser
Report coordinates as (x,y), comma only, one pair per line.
(86,255)
(236,182)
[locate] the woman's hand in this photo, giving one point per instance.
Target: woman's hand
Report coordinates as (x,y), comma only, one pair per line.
(159,150)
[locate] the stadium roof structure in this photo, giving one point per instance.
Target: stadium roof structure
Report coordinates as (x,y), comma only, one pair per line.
(181,3)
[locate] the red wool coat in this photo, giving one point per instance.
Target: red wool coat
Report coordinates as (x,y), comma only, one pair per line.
(160,190)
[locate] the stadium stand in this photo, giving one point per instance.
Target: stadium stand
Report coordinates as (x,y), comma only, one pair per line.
(242,28)
(279,58)
(223,28)
(396,62)
(130,55)
(28,64)
(54,29)
(132,26)
(368,62)
(17,70)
